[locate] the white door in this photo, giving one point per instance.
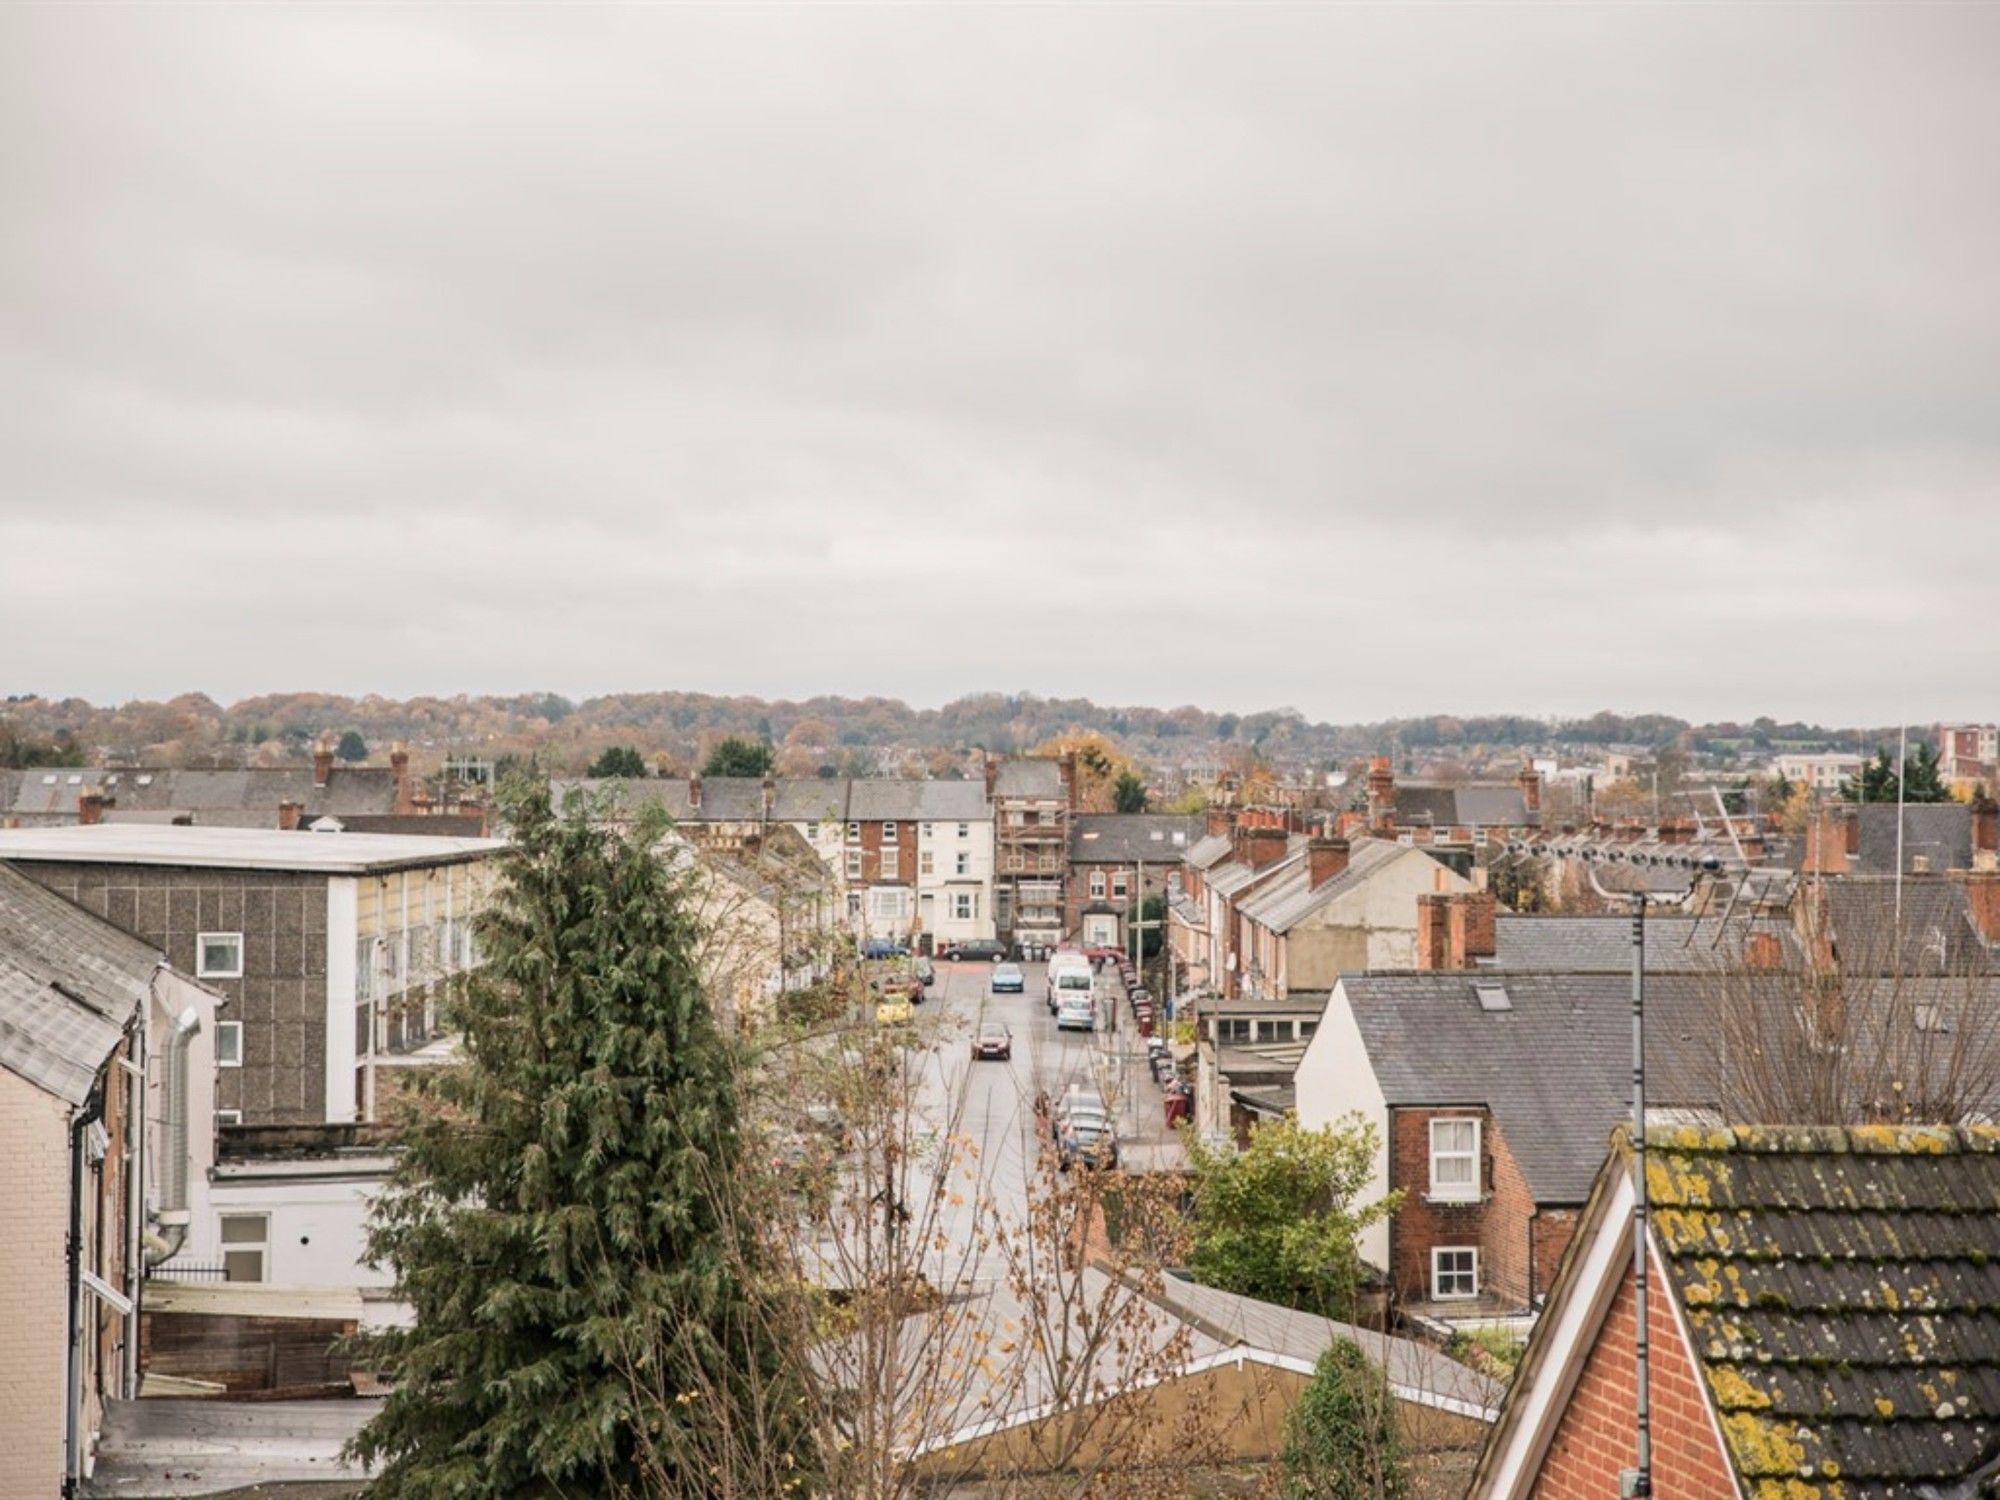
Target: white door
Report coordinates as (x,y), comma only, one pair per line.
(1100,930)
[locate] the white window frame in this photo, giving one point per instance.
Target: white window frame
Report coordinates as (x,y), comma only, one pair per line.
(1438,1273)
(853,833)
(1097,885)
(261,1247)
(963,864)
(928,832)
(926,863)
(854,864)
(965,906)
(1456,1192)
(965,830)
(234,1031)
(201,965)
(1119,885)
(889,834)
(229,1117)
(892,864)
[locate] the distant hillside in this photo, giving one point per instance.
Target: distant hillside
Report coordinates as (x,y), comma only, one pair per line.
(848,735)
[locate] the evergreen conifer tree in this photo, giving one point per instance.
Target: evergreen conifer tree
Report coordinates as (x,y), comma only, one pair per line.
(561,1212)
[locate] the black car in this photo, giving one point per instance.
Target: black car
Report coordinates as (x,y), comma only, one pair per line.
(978,950)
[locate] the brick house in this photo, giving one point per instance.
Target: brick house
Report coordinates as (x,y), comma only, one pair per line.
(1461,813)
(1492,1094)
(1819,1309)
(331,952)
(103,1048)
(1116,860)
(1033,800)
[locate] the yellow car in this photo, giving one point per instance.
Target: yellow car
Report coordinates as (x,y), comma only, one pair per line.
(894,1010)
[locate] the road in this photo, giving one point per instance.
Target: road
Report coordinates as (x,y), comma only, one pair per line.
(990,1104)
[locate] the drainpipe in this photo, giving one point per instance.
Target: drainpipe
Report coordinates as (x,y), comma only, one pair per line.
(135,1188)
(173,1213)
(91,1112)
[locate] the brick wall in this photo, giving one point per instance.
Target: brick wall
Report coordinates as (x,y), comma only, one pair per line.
(873,845)
(1503,1225)
(1594,1442)
(281,998)
(34,1184)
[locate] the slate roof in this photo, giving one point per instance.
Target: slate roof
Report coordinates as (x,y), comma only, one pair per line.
(1289,901)
(1127,838)
(1555,1070)
(246,798)
(1936,936)
(69,985)
(1603,944)
(1940,832)
(1228,879)
(1035,777)
(916,801)
(1842,1293)
(794,799)
(1472,805)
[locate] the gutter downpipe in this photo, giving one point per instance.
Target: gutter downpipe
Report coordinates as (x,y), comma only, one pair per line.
(135,1191)
(90,1113)
(173,1211)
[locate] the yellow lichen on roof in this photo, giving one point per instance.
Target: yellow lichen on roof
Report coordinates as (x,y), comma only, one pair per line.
(1763,1449)
(1902,1140)
(1733,1390)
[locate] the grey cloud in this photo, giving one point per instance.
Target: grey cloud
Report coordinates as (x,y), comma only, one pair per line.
(1368,359)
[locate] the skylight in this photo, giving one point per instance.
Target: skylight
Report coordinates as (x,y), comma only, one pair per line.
(1492,997)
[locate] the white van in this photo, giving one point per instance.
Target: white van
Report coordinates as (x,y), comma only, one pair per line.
(1071,995)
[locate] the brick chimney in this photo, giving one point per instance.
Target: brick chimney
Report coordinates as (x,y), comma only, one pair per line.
(1456,928)
(1068,765)
(1381,794)
(399,766)
(1218,821)
(322,762)
(1530,783)
(694,792)
(1763,953)
(770,796)
(1982,899)
(90,805)
(1260,845)
(1985,834)
(991,769)
(1826,843)
(289,813)
(1325,858)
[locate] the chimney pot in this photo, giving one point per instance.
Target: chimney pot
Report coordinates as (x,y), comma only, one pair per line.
(694,792)
(322,763)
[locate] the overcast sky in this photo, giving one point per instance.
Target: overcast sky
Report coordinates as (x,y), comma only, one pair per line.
(1364,360)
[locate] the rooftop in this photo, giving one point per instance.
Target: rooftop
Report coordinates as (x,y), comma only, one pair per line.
(1130,838)
(238,848)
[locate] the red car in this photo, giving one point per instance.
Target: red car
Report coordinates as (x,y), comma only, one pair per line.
(994,1040)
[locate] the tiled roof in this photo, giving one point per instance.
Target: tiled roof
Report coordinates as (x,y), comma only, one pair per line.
(228,798)
(1842,1293)
(1127,838)
(69,984)
(794,799)
(1228,879)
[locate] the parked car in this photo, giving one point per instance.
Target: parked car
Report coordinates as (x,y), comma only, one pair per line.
(909,986)
(994,1040)
(1098,953)
(1009,980)
(1087,1136)
(982,950)
(884,948)
(894,1010)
